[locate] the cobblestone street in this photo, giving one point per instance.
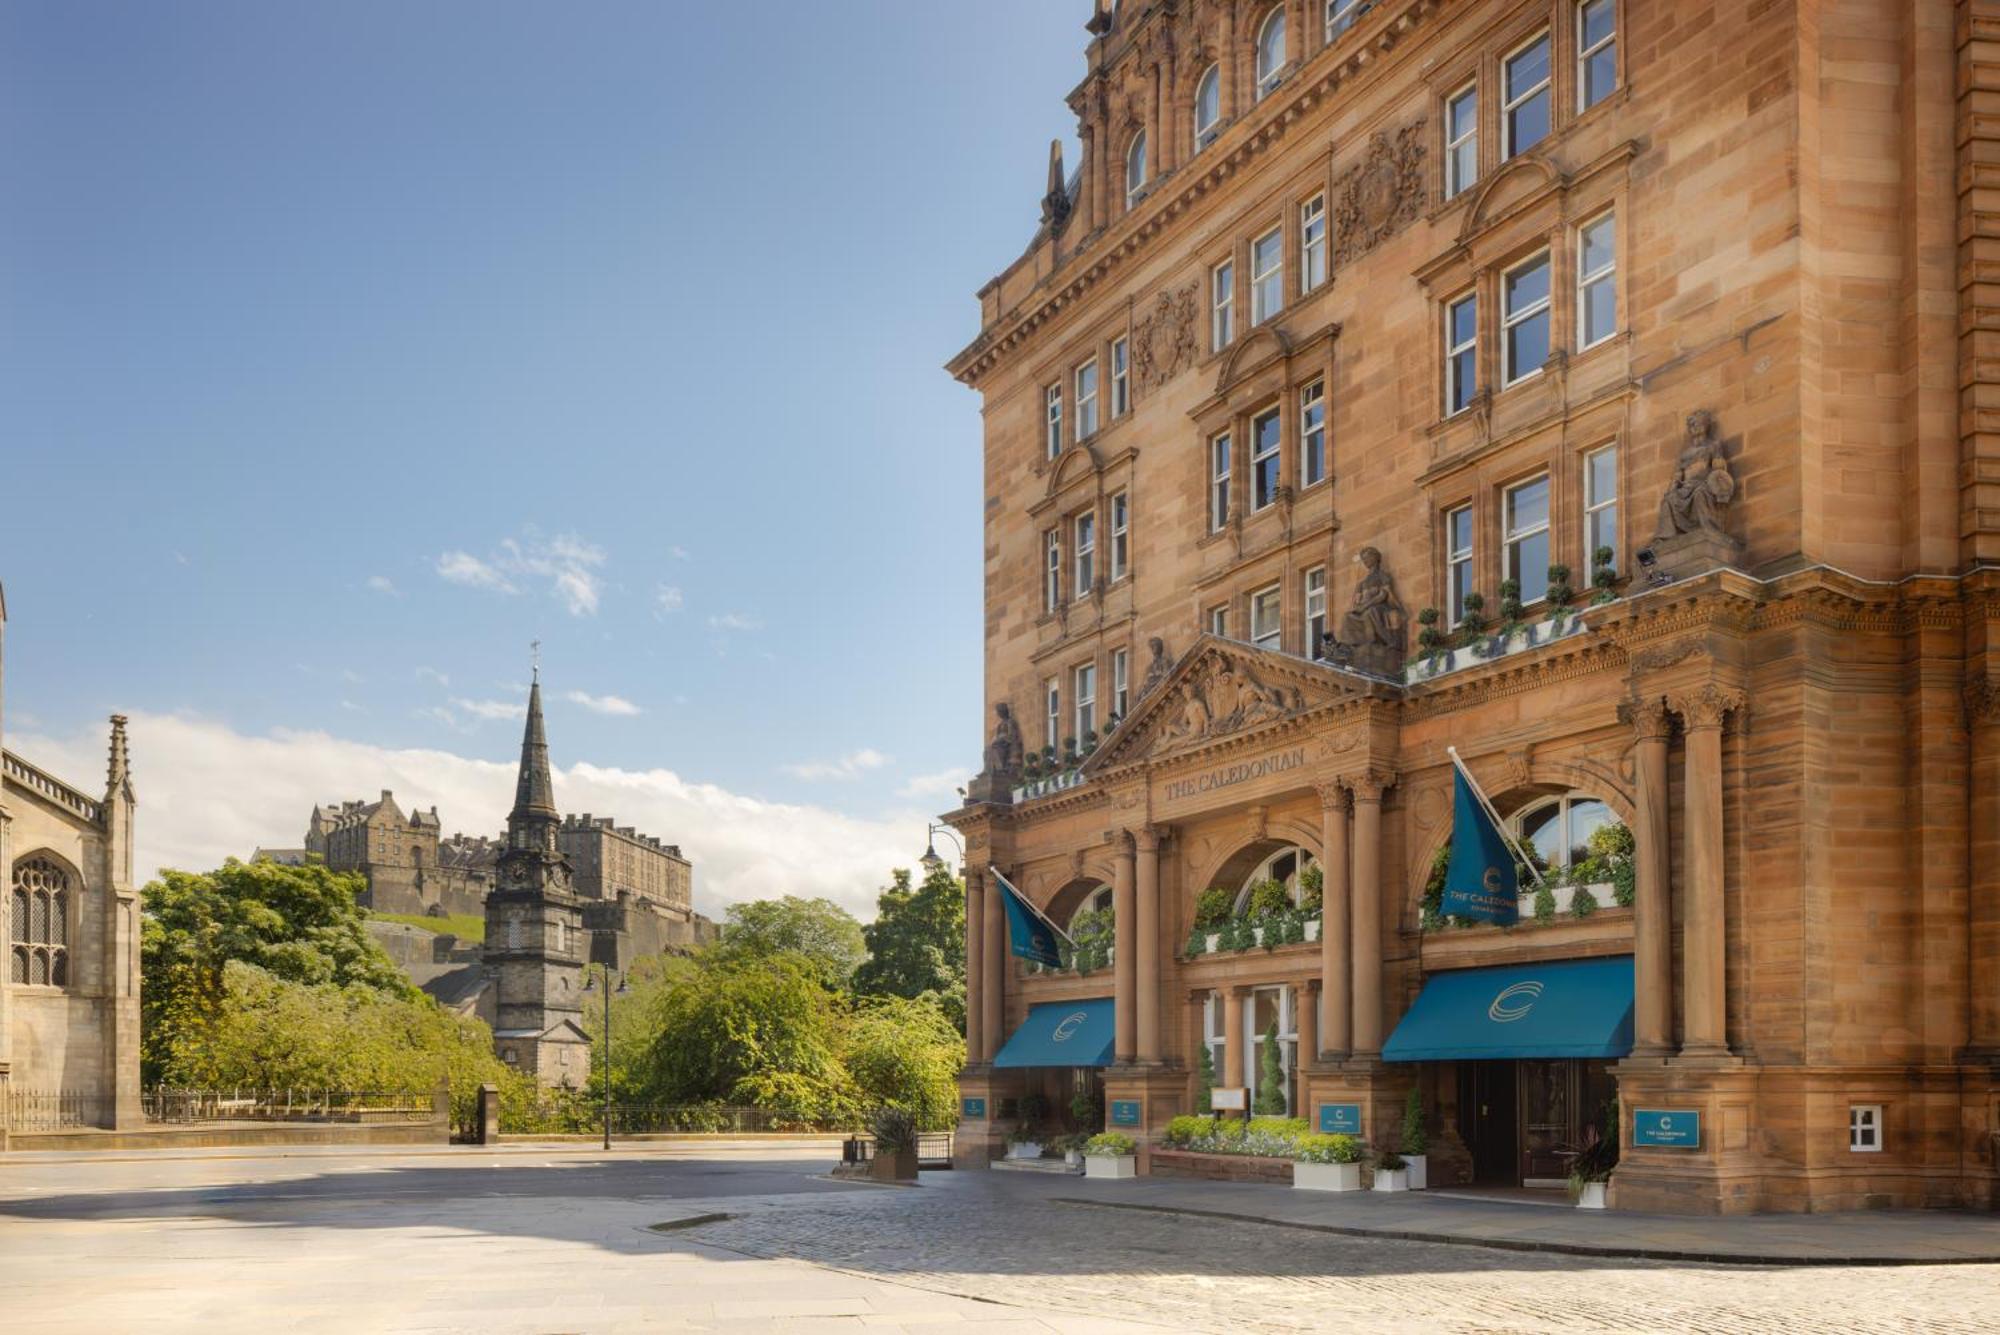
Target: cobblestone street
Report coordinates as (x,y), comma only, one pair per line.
(543,1240)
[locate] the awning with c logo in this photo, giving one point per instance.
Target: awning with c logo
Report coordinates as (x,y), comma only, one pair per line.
(1063,1033)
(1567,1008)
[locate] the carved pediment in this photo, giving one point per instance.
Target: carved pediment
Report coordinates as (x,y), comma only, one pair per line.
(1218,690)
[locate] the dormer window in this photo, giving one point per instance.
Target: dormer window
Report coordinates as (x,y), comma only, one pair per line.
(1135,169)
(1208,108)
(1270,52)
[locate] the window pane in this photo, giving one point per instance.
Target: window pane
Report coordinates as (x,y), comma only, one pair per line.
(1543,829)
(1527,69)
(1528,505)
(1207,106)
(1526,286)
(1586,816)
(1599,244)
(1464,113)
(1461,531)
(1527,345)
(1529,562)
(1598,17)
(1464,322)
(1600,75)
(1600,310)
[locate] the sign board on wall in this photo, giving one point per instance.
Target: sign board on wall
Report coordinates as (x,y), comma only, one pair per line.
(1229,1100)
(973,1109)
(1340,1119)
(1125,1112)
(1667,1128)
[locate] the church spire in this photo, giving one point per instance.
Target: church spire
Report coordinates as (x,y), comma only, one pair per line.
(534,792)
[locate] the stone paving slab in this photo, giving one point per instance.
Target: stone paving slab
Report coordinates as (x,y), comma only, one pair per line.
(1867,1238)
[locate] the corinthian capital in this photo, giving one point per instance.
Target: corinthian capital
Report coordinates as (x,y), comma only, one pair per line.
(1333,794)
(1370,784)
(1649,718)
(1707,706)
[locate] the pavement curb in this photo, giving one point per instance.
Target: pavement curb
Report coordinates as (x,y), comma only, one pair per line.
(1541,1245)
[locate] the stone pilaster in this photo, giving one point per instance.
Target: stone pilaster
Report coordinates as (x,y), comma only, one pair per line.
(1652,904)
(975,964)
(1704,996)
(1124,967)
(1148,925)
(1366,915)
(993,979)
(1335,941)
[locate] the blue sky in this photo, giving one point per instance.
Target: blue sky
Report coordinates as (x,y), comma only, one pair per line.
(346,348)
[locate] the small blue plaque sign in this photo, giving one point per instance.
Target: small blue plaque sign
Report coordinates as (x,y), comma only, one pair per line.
(1667,1129)
(1340,1119)
(1124,1112)
(973,1108)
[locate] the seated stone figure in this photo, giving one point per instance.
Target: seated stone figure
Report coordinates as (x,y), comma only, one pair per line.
(1372,633)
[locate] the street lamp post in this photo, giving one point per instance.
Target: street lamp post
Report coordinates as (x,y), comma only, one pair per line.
(930,860)
(606,952)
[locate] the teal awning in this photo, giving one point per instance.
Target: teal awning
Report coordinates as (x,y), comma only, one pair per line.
(1064,1033)
(1565,1008)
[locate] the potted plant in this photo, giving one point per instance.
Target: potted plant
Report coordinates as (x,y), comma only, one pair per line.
(1415,1140)
(1083,1110)
(1391,1172)
(1327,1163)
(1025,1140)
(1270,1075)
(1592,1160)
(1110,1154)
(895,1159)
(1071,1149)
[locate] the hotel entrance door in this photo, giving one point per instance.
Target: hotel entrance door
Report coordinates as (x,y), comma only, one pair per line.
(1518,1117)
(1486,1113)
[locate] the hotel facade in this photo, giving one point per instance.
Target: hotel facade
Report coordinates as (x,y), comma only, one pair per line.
(1604,391)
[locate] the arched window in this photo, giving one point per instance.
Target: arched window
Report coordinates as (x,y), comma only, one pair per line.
(1135,169)
(40,912)
(1270,51)
(1208,108)
(1285,867)
(1097,901)
(1560,827)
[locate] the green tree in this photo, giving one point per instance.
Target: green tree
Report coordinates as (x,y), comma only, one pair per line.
(906,1053)
(298,924)
(817,930)
(916,945)
(1270,1075)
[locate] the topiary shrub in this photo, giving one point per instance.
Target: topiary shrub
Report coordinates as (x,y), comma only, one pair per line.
(1267,898)
(1473,626)
(1312,890)
(1204,1089)
(1212,908)
(1414,1139)
(1270,1076)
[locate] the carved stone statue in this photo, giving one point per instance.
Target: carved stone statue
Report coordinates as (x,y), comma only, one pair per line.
(1242,700)
(1157,669)
(1194,719)
(1691,536)
(1373,632)
(1004,753)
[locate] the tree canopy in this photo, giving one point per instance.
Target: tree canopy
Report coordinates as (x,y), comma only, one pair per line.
(818,930)
(916,945)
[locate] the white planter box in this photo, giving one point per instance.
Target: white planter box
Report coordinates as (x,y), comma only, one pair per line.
(1457,660)
(1026,1149)
(1419,1171)
(1214,939)
(1592,1196)
(1326,1177)
(1073,1158)
(1387,1179)
(1110,1165)
(1606,898)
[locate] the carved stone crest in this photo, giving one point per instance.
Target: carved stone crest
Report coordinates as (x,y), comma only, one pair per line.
(1381,194)
(1227,696)
(1163,341)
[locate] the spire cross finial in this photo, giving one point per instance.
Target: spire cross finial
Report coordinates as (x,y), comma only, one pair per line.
(535,654)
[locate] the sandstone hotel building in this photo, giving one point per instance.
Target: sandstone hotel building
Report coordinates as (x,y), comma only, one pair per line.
(1355,309)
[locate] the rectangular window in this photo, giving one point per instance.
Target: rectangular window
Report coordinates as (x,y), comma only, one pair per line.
(1052,693)
(1086,554)
(1596,280)
(1121,683)
(1086,400)
(1524,320)
(1121,377)
(1524,91)
(1600,504)
(1086,701)
(1222,301)
(1312,434)
(1461,353)
(1267,275)
(1461,141)
(1458,562)
(1121,537)
(1264,435)
(1864,1128)
(1312,243)
(1053,415)
(1218,483)
(1051,570)
(1340,16)
(1267,623)
(1596,51)
(1316,626)
(1218,620)
(1525,521)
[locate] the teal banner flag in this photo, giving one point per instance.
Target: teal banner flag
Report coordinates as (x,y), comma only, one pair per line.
(1482,883)
(1027,935)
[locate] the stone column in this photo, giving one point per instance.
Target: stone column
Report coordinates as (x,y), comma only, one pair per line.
(1147,923)
(1652,900)
(1235,1072)
(1705,1022)
(1335,939)
(1124,966)
(1305,1000)
(975,964)
(992,978)
(1367,914)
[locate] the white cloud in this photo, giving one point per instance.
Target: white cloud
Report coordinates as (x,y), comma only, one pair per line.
(850,766)
(207,792)
(467,569)
(615,705)
(431,674)
(353,708)
(678,552)
(735,621)
(490,709)
(351,677)
(383,584)
(944,785)
(668,599)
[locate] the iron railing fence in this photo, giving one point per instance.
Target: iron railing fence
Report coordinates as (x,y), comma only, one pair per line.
(164,1104)
(579,1115)
(933,1149)
(53,1110)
